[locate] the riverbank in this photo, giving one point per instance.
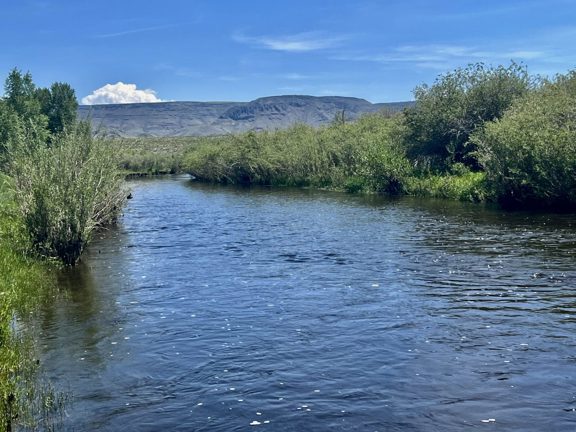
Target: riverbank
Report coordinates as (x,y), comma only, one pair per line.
(58,185)
(477,134)
(24,283)
(214,160)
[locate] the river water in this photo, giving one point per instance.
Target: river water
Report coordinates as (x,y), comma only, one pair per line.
(223,309)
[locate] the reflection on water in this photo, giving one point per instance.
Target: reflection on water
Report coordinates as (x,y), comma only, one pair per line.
(216,308)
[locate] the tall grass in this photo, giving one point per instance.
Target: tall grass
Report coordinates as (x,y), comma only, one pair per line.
(470,186)
(66,190)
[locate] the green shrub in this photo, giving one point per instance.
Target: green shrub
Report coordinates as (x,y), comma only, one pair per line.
(530,154)
(438,127)
(66,190)
(358,156)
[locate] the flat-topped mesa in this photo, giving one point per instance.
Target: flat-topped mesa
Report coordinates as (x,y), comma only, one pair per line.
(217,118)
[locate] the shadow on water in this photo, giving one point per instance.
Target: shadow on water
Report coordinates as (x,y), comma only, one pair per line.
(86,316)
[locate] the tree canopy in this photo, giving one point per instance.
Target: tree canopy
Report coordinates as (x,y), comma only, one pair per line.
(27,108)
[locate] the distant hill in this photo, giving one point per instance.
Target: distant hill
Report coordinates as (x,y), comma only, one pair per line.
(217,118)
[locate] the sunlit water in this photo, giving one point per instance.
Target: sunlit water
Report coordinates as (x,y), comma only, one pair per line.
(223,309)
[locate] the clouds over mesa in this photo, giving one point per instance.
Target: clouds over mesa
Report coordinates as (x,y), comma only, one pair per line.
(120,93)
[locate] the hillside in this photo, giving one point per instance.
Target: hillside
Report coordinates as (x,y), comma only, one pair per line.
(217,118)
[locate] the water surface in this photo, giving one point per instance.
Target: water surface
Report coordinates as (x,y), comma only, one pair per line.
(222,309)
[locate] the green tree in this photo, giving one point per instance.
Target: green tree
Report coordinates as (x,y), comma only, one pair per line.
(20,94)
(439,126)
(59,104)
(21,100)
(10,131)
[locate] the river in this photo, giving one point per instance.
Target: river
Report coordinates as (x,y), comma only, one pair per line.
(224,309)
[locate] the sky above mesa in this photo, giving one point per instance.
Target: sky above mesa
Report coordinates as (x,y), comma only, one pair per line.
(215,50)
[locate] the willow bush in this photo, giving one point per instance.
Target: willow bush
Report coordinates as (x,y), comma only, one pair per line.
(66,189)
(362,155)
(438,126)
(530,153)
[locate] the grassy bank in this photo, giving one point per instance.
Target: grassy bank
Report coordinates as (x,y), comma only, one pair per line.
(58,185)
(24,283)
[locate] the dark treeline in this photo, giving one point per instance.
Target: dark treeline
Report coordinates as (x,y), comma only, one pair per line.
(477,133)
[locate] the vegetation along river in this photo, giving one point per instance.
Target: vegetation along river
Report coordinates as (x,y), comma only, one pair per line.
(223,309)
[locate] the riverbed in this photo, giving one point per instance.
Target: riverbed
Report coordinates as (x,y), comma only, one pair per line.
(215,308)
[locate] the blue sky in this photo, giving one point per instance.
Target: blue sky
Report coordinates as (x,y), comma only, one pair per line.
(214,50)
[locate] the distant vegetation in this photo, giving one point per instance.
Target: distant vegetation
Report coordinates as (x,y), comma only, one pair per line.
(358,156)
(478,133)
(153,156)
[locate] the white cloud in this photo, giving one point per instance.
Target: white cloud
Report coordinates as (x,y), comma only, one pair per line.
(300,42)
(120,93)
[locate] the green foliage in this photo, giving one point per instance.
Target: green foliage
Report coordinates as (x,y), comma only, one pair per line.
(152,156)
(438,127)
(66,190)
(10,131)
(20,109)
(530,154)
(59,104)
(24,106)
(23,283)
(468,186)
(359,156)
(20,95)
(67,181)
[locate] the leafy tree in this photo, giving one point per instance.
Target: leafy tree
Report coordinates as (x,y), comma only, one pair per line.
(20,94)
(439,126)
(21,101)
(59,104)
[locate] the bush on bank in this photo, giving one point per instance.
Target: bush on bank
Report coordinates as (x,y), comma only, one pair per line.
(359,156)
(67,181)
(530,153)
(66,190)
(438,127)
